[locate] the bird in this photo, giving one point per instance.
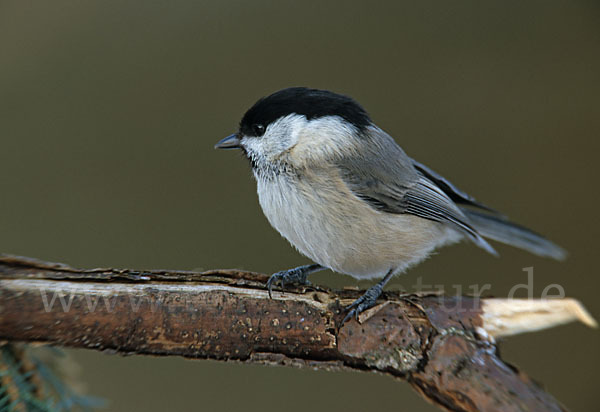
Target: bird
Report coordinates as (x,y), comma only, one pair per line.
(347,196)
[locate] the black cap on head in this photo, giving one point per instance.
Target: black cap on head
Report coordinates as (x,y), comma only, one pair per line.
(311,103)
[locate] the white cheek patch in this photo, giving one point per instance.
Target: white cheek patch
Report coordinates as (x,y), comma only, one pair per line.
(279,137)
(302,141)
(324,138)
(283,134)
(252,145)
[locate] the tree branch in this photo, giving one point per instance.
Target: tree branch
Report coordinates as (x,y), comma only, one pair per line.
(443,346)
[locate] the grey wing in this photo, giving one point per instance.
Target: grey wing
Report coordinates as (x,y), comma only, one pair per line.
(385,178)
(453,192)
(494,225)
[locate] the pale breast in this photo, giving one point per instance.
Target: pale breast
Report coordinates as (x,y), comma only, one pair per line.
(334,228)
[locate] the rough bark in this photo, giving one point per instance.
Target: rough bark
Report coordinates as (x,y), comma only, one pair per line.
(440,345)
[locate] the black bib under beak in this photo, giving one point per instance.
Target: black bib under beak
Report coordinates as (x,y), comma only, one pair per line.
(230,142)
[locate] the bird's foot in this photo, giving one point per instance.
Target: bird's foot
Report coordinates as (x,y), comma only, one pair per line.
(363,303)
(296,276)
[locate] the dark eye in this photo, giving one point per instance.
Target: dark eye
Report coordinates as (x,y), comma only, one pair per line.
(258,129)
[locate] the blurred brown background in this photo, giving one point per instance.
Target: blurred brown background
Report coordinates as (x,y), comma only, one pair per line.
(109,111)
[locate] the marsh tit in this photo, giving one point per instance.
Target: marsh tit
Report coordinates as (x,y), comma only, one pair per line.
(342,192)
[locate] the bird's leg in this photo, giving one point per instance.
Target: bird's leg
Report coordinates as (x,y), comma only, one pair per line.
(297,275)
(368,299)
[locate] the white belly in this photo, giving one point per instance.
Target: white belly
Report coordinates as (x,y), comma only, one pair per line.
(344,233)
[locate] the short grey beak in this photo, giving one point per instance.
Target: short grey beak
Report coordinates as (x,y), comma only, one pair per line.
(230,142)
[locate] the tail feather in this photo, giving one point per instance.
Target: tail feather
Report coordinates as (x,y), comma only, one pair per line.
(499,229)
